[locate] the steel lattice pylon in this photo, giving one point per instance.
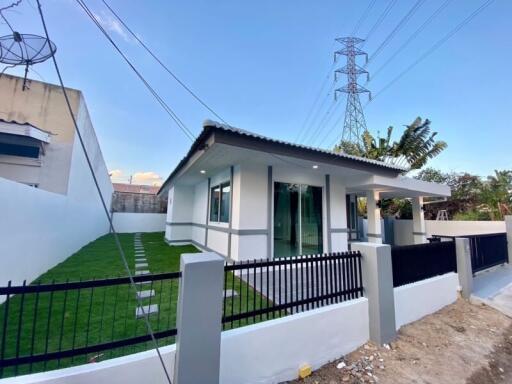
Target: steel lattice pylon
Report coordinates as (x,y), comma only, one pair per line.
(355,124)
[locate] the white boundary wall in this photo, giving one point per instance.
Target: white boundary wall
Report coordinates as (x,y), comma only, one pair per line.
(128,222)
(403,229)
(39,229)
(416,300)
(268,352)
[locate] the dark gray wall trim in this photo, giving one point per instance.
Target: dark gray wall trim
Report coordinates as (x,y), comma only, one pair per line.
(269,211)
(340,230)
(207,210)
(374,235)
(198,245)
(231,173)
(239,232)
(328,209)
(420,233)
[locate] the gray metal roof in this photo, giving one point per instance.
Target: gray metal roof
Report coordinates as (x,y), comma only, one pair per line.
(212,123)
(210,126)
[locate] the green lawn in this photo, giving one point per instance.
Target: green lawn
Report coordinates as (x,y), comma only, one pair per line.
(76,318)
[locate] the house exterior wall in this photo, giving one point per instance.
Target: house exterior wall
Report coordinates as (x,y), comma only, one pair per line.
(247,235)
(43,106)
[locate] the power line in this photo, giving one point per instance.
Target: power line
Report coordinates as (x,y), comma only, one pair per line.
(412,37)
(303,132)
(317,114)
(162,103)
(165,67)
(103,202)
(379,21)
(326,117)
(436,46)
(325,124)
(324,83)
(363,17)
(395,30)
(12,5)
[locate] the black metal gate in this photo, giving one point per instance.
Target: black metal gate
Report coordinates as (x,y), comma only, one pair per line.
(488,250)
(417,262)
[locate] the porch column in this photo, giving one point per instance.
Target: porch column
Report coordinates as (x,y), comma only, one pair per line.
(418,221)
(374,230)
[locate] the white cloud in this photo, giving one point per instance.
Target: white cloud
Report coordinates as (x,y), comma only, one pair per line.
(111,24)
(147,178)
(139,178)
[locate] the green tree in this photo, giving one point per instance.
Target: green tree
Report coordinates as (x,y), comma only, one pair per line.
(415,147)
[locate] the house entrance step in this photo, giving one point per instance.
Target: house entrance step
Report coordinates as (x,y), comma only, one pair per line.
(145,294)
(230,293)
(148,310)
(143,272)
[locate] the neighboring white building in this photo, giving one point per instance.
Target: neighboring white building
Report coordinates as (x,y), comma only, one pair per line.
(49,206)
(247,196)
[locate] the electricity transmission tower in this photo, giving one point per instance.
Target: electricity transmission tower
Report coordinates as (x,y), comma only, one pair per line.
(355,124)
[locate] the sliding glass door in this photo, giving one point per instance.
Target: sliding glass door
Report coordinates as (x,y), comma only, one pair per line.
(297,220)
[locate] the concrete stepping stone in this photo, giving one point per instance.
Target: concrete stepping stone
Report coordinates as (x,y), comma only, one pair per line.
(230,293)
(140,259)
(148,310)
(141,265)
(143,272)
(145,294)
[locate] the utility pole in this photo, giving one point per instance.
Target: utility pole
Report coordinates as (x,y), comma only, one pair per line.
(355,123)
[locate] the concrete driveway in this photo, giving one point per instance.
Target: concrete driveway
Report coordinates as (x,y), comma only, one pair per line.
(494,288)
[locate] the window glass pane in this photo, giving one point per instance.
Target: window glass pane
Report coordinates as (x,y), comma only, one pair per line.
(286,220)
(19,150)
(214,203)
(311,219)
(225,203)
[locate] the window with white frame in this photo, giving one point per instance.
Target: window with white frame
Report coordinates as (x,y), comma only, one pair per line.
(220,200)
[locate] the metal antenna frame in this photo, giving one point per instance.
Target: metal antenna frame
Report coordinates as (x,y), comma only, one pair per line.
(355,124)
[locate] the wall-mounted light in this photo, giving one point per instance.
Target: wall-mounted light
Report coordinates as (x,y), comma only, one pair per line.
(315,166)
(423,207)
(202,171)
(379,203)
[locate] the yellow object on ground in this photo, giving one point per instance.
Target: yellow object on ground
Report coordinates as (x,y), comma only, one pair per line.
(304,371)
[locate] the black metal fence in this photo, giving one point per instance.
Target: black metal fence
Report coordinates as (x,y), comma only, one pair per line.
(266,289)
(57,325)
(487,250)
(417,262)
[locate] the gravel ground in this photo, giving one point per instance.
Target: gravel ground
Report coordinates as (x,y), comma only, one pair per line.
(462,343)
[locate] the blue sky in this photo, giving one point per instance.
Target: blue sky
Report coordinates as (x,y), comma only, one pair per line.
(260,65)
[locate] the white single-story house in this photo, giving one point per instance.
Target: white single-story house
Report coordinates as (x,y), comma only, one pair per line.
(247,196)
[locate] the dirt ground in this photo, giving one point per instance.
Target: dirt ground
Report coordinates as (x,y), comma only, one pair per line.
(462,343)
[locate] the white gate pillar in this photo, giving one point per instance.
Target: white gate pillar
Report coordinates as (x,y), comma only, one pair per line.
(199,319)
(418,221)
(508,226)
